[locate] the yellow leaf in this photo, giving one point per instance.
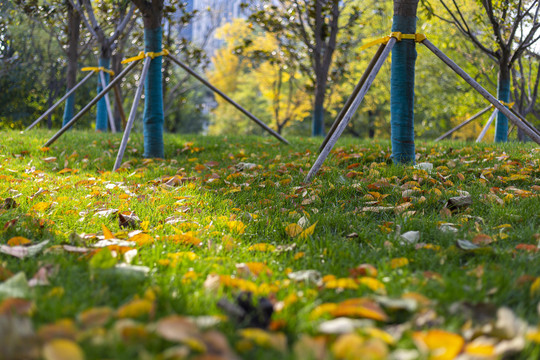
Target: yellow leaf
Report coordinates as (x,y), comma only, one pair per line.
(534,336)
(399,262)
(62,349)
(380,334)
(441,345)
(372,283)
(262,247)
(237,226)
(145,225)
(293,230)
(480,350)
(135,309)
(41,206)
(348,346)
(266,339)
(342,283)
(107,233)
(535,287)
(18,240)
(361,307)
(322,309)
(142,239)
(308,232)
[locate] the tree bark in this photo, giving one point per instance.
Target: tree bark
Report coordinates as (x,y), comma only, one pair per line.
(74,23)
(402,83)
(503,94)
(153,88)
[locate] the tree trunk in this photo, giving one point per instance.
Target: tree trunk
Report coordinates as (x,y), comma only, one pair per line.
(74,23)
(153,102)
(402,83)
(318,108)
(102,118)
(503,94)
(371,124)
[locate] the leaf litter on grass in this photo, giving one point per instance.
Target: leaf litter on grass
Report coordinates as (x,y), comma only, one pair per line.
(370,261)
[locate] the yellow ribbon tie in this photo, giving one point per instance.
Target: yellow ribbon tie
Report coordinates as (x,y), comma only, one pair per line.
(143,55)
(96,69)
(399,36)
(508,105)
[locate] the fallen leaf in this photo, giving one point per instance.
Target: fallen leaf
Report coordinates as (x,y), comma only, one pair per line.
(62,349)
(18,240)
(440,344)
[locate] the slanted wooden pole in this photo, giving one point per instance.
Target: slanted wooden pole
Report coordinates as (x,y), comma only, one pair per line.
(486,127)
(132,114)
(353,96)
(228,99)
(475,85)
(354,106)
(471,119)
(91,103)
(119,105)
(60,101)
(107,103)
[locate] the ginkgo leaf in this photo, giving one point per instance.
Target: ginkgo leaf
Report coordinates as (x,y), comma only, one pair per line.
(62,349)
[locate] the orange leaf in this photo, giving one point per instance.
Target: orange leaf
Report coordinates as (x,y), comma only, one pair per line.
(107,233)
(18,240)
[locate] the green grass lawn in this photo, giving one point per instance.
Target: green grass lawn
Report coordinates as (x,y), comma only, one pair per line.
(224,215)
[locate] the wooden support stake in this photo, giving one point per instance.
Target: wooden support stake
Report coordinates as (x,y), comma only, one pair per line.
(350,112)
(119,105)
(71,91)
(486,127)
(107,103)
(475,85)
(353,96)
(132,114)
(471,119)
(91,103)
(228,99)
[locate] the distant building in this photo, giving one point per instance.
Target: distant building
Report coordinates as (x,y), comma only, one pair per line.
(212,14)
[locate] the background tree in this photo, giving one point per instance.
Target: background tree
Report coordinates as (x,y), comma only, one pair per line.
(503,31)
(308,33)
(121,12)
(251,69)
(62,21)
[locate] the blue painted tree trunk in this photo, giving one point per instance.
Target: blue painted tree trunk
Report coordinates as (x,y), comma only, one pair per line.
(503,94)
(102,118)
(69,109)
(317,128)
(402,92)
(153,102)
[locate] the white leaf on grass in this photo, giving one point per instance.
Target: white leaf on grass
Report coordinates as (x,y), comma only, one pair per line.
(15,287)
(105,243)
(22,252)
(309,276)
(343,325)
(411,237)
